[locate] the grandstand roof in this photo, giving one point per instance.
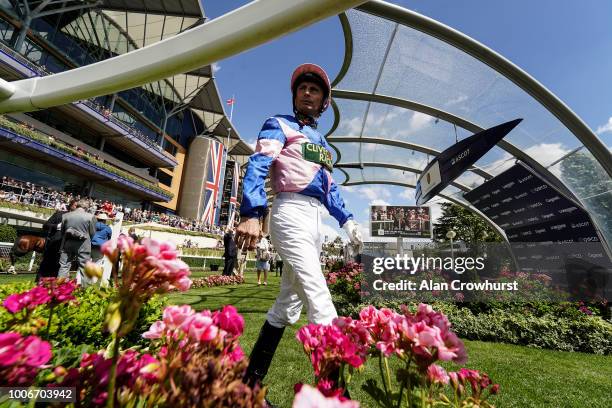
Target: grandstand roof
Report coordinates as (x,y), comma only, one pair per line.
(148,21)
(410,87)
(186,8)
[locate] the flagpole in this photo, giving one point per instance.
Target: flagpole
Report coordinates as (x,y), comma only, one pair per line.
(229,131)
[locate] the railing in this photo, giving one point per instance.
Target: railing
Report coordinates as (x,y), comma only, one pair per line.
(41,71)
(20,194)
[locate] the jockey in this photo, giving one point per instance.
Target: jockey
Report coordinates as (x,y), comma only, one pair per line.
(300,161)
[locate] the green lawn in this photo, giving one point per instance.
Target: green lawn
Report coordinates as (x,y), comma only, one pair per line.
(528,377)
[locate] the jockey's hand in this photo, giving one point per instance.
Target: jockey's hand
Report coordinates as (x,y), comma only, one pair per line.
(248,233)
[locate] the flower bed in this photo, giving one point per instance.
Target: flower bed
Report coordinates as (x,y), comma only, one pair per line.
(195,359)
(417,339)
(566,326)
(41,138)
(216,280)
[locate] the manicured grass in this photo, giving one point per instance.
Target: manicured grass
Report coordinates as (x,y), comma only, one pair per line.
(528,377)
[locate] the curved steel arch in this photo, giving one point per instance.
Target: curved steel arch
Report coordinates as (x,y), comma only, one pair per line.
(446,197)
(404,145)
(230,34)
(459,121)
(460,186)
(500,64)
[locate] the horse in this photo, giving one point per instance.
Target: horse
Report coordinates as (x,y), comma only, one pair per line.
(24,245)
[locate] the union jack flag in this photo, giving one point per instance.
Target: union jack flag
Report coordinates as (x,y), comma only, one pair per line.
(233,202)
(212,190)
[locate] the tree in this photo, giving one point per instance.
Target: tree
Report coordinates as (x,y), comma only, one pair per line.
(470,228)
(333,247)
(589,181)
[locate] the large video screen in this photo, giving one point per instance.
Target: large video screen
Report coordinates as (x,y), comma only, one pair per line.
(400,221)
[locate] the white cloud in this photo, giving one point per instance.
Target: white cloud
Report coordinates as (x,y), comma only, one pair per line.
(457,100)
(544,153)
(347,189)
(605,128)
(216,67)
(408,194)
(547,153)
(419,121)
(375,192)
(378,201)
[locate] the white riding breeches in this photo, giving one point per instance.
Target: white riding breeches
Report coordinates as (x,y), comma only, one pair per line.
(295,229)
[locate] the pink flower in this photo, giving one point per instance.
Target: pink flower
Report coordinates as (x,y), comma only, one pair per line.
(21,358)
(200,328)
(29,299)
(174,316)
(230,320)
(155,331)
(7,342)
(13,303)
(437,374)
(310,397)
(124,244)
(36,351)
(39,296)
(236,354)
(109,248)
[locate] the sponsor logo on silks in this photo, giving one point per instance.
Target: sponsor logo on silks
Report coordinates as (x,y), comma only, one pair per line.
(524,179)
(532,219)
(519,210)
(505,213)
(553,199)
(520,195)
(526,233)
(545,216)
(495,191)
(520,222)
(580,224)
(494,205)
(507,200)
(540,231)
(317,154)
(590,239)
(508,185)
(534,205)
(596,255)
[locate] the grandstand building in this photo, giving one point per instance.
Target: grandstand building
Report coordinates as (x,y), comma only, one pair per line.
(149,147)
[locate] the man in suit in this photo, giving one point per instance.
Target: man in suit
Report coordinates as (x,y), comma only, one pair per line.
(78,227)
(230,253)
(49,266)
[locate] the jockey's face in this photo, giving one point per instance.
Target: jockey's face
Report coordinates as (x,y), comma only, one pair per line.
(308,98)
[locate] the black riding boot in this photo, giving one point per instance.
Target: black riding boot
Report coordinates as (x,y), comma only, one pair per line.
(262,354)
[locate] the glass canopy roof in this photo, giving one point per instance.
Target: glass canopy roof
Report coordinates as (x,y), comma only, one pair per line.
(411,87)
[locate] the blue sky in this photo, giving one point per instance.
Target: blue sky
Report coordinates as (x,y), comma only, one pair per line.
(566,45)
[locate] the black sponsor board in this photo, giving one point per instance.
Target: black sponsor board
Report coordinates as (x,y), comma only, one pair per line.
(548,231)
(454,161)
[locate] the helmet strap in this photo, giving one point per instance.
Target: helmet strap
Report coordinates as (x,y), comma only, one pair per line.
(305,120)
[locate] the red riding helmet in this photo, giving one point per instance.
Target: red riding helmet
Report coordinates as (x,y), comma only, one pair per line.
(303,72)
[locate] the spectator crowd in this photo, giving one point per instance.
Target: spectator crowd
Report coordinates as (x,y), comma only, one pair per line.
(20,192)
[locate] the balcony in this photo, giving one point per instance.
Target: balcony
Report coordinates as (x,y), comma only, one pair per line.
(118,133)
(35,145)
